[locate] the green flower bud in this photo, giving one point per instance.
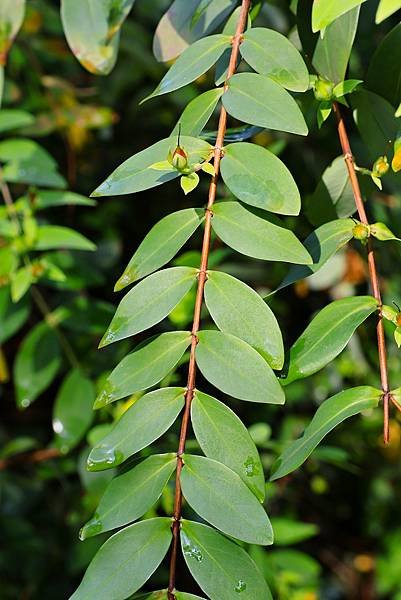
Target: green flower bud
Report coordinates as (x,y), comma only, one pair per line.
(361,232)
(380,166)
(178,158)
(323,89)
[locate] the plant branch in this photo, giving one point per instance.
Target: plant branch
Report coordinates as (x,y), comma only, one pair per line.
(202,276)
(373,275)
(24,458)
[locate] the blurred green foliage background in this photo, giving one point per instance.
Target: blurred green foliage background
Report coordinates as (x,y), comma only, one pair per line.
(337,519)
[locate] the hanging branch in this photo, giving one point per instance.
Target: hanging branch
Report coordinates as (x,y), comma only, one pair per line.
(373,275)
(236,41)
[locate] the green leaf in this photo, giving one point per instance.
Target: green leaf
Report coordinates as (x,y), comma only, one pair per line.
(238,309)
(48,199)
(126,561)
(325,12)
(135,174)
(257,100)
(176,30)
(386,8)
(322,244)
(183,596)
(236,368)
(382,232)
(24,151)
(197,113)
(332,52)
(257,177)
(145,366)
(54,236)
(11,17)
(323,112)
(11,118)
(271,53)
(327,335)
(223,436)
(330,414)
(222,569)
(21,282)
(198,58)
(288,532)
(72,410)
(255,235)
(12,316)
(36,365)
(189,182)
(149,302)
(220,497)
(27,172)
(143,423)
(376,122)
(161,244)
(346,87)
(131,495)
(384,72)
(93,31)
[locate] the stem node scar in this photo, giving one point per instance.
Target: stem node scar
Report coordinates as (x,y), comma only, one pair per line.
(202,276)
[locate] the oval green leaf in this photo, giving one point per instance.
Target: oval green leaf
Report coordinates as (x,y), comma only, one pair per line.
(130,495)
(332,412)
(143,423)
(126,561)
(161,244)
(257,100)
(220,497)
(222,569)
(257,177)
(149,302)
(55,236)
(144,367)
(197,113)
(325,12)
(271,53)
(236,368)
(223,436)
(327,335)
(198,58)
(256,235)
(238,309)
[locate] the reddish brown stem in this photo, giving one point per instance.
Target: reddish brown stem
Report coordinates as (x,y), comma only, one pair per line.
(29,458)
(202,276)
(373,275)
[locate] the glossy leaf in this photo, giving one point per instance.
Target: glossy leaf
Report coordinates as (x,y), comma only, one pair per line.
(333,50)
(93,32)
(223,437)
(135,174)
(236,368)
(325,12)
(12,316)
(327,335)
(220,497)
(161,244)
(222,569)
(384,72)
(144,367)
(11,118)
(55,236)
(192,63)
(36,365)
(288,532)
(257,177)
(386,8)
(130,495)
(322,244)
(149,302)
(176,30)
(238,309)
(330,414)
(126,561)
(197,113)
(257,100)
(143,423)
(271,53)
(72,411)
(256,235)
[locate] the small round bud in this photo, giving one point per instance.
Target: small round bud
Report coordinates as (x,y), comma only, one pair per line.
(178,158)
(361,232)
(323,89)
(380,166)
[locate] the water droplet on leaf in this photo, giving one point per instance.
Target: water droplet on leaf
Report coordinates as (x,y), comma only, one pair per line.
(241,586)
(103,457)
(91,528)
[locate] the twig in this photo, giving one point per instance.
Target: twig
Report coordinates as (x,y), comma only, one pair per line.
(29,457)
(202,276)
(373,275)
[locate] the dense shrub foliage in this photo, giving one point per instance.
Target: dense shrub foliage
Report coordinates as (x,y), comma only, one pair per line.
(246,200)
